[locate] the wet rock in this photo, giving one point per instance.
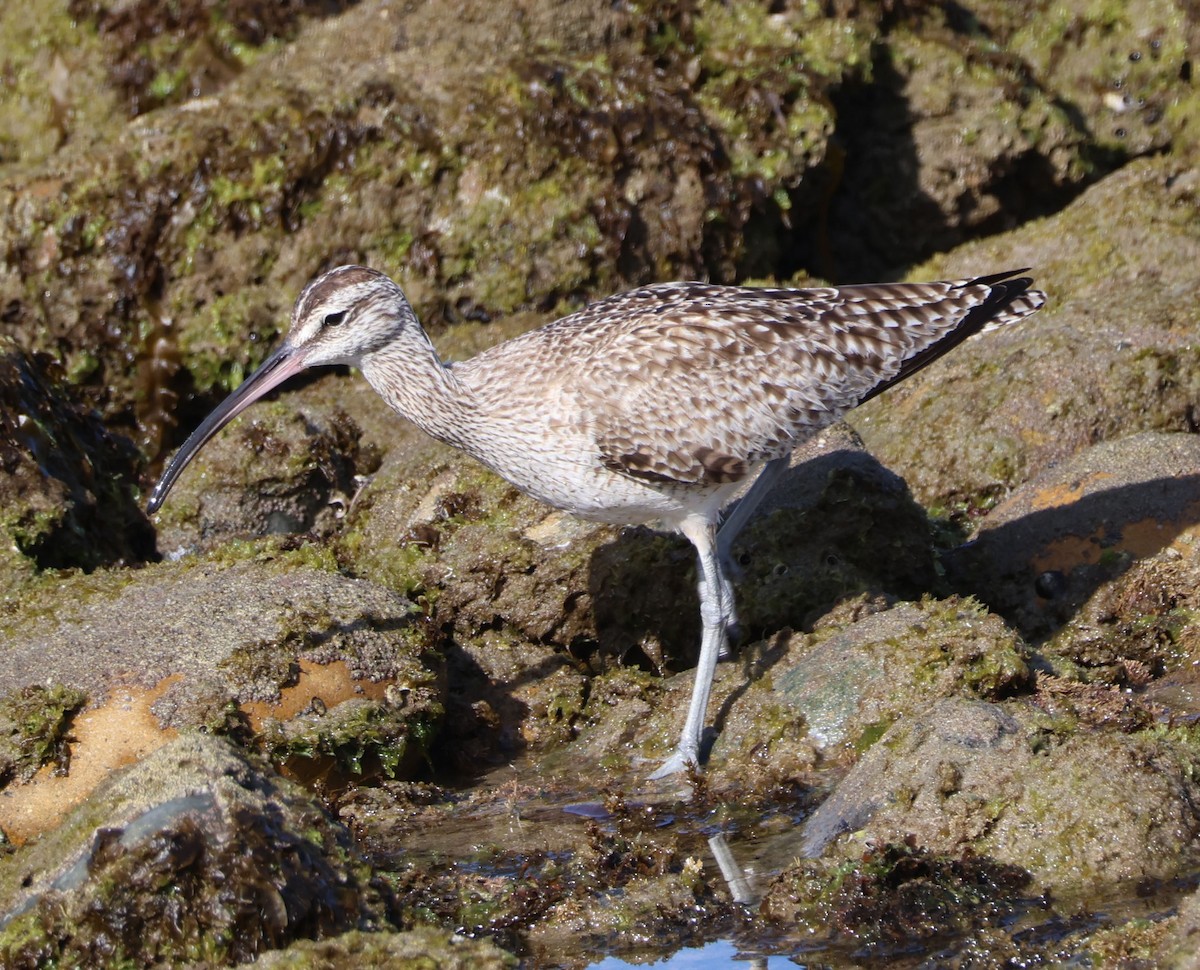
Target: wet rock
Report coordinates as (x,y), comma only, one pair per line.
(423,947)
(895,894)
(251,862)
(67,484)
(242,649)
(287,467)
(1075,529)
(996,780)
(945,140)
(1150,942)
(664,903)
(1125,69)
(587,873)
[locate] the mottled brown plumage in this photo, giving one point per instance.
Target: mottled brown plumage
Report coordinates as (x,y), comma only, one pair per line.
(659,404)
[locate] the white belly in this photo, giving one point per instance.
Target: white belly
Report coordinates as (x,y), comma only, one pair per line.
(564,471)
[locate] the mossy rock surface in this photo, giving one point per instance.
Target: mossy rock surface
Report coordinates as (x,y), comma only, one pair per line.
(194,854)
(67,483)
(418,949)
(1025,791)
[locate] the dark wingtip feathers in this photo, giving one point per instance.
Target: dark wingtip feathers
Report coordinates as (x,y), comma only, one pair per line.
(1008,300)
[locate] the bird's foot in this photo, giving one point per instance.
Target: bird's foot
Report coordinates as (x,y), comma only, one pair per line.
(680,762)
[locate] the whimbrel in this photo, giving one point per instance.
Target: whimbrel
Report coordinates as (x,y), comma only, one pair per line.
(656,405)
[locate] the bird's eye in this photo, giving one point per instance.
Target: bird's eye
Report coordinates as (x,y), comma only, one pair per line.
(333,319)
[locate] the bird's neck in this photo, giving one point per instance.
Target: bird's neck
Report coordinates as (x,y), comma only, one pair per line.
(415,382)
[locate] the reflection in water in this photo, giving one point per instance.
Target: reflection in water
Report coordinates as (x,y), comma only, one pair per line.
(739,881)
(720,953)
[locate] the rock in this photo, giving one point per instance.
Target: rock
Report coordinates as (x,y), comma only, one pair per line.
(67,484)
(423,948)
(1121,68)
(287,467)
(194,851)
(994,781)
(945,141)
(860,678)
(941,757)
(838,525)
(1078,834)
(1050,545)
(182,169)
(271,648)
(794,701)
(35,725)
(569,192)
(1177,946)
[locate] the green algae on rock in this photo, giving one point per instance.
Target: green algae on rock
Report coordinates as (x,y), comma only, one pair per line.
(358,738)
(35,729)
(1119,64)
(67,484)
(528,169)
(54,90)
(895,893)
(162,54)
(421,948)
(195,854)
(244,648)
(950,137)
(875,670)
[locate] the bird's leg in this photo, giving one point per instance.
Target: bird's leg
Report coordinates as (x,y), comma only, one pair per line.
(733,524)
(716,611)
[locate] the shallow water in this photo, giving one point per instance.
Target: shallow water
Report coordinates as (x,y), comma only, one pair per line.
(717,953)
(503,829)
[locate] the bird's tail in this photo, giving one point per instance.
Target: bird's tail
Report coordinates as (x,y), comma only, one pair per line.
(1003,299)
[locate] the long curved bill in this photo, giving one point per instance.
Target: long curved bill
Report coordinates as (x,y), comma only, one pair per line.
(276,369)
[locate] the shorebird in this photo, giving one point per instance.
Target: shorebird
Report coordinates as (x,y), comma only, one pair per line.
(653,406)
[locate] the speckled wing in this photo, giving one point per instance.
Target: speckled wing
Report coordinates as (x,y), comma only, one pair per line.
(696,384)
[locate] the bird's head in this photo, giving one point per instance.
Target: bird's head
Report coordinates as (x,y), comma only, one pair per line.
(341,317)
(346,314)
